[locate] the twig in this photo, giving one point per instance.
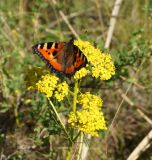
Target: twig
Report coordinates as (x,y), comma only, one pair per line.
(122,101)
(135,83)
(130,102)
(80,146)
(72,15)
(145,116)
(115,12)
(142,146)
(85,149)
(68,24)
(66,21)
(58,117)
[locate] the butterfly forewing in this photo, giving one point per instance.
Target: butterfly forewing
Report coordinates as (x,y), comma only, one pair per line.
(49,52)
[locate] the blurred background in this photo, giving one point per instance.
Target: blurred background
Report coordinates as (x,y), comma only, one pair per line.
(24,122)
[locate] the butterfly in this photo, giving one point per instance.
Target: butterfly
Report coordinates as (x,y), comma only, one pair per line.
(61,57)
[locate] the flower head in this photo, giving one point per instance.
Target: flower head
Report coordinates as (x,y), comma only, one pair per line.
(47,84)
(89,119)
(101,63)
(81,73)
(62,91)
(90,101)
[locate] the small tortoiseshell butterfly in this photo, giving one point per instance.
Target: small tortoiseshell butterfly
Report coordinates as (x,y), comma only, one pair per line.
(61,57)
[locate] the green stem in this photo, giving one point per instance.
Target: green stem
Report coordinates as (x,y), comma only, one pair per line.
(71,93)
(69,151)
(58,117)
(80,147)
(75,96)
(16,114)
(68,154)
(75,93)
(75,138)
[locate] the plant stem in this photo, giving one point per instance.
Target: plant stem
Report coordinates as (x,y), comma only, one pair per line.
(69,151)
(74,102)
(68,154)
(16,115)
(58,117)
(75,96)
(80,147)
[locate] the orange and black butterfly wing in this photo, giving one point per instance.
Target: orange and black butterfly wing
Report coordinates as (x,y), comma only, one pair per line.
(74,61)
(50,52)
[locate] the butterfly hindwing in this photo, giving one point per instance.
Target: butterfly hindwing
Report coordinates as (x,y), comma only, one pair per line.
(62,57)
(78,61)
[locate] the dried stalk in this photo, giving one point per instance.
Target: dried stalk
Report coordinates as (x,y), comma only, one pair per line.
(115,12)
(72,15)
(142,146)
(130,102)
(85,149)
(66,21)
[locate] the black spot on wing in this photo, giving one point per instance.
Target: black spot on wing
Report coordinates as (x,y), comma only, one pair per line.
(49,45)
(75,59)
(75,49)
(41,45)
(56,45)
(79,53)
(54,53)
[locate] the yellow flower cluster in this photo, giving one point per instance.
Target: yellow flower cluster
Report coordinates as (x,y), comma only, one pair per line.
(62,91)
(102,65)
(81,73)
(90,119)
(90,101)
(47,84)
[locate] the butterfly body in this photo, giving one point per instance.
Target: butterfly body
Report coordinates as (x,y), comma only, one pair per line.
(61,57)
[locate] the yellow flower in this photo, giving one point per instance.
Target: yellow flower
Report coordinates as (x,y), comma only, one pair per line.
(90,119)
(72,119)
(81,73)
(89,101)
(47,84)
(102,65)
(62,91)
(105,69)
